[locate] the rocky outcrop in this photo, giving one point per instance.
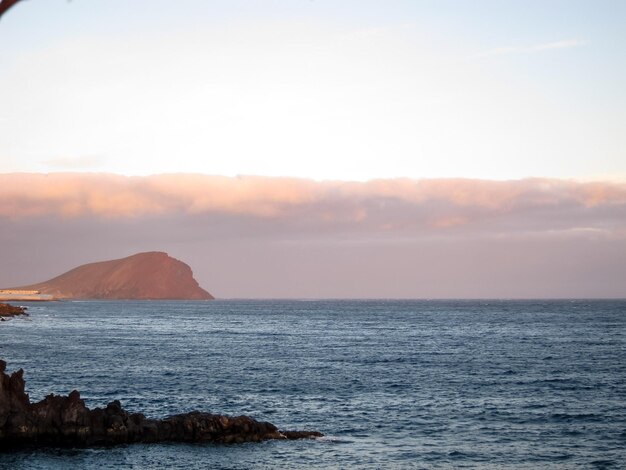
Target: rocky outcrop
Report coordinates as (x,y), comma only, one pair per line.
(62,421)
(145,276)
(7,310)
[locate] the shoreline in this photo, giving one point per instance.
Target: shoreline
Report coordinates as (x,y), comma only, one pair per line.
(26,298)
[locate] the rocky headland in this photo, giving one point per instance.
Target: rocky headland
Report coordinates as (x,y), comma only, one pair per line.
(152,275)
(62,421)
(7,311)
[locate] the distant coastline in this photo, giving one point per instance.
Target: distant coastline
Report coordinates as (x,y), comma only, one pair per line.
(26,295)
(142,276)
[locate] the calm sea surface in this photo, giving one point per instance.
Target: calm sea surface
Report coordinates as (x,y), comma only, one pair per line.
(393,384)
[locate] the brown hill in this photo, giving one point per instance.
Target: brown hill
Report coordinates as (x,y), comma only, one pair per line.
(151,275)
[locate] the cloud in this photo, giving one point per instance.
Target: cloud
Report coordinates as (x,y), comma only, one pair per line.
(395,207)
(563,44)
(87,162)
(286,237)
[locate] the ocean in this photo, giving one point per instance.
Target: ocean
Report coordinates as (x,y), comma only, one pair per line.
(392,384)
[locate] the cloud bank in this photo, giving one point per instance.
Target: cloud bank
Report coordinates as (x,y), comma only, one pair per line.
(379,206)
(284,237)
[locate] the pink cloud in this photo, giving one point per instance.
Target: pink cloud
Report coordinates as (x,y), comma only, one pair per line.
(286,237)
(378,205)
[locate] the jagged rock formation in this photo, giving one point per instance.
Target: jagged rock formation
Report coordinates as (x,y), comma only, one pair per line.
(151,275)
(66,421)
(7,310)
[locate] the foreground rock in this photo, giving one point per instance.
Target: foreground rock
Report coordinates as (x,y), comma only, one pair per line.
(7,310)
(66,421)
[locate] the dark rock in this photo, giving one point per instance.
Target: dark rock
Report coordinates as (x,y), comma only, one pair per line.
(301,434)
(7,310)
(66,421)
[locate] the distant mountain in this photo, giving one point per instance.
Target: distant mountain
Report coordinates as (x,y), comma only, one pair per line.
(151,275)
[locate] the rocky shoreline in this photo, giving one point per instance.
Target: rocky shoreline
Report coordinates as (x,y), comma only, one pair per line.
(65,421)
(7,311)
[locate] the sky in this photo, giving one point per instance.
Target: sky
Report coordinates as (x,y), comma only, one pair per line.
(411,149)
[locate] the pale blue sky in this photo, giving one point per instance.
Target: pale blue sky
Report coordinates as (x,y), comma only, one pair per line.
(321,89)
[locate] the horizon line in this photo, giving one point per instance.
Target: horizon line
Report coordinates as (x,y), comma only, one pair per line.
(357,299)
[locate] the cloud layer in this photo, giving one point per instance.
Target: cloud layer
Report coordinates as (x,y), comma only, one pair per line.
(398,206)
(283,237)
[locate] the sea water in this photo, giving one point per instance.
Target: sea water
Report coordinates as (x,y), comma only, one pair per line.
(392,384)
